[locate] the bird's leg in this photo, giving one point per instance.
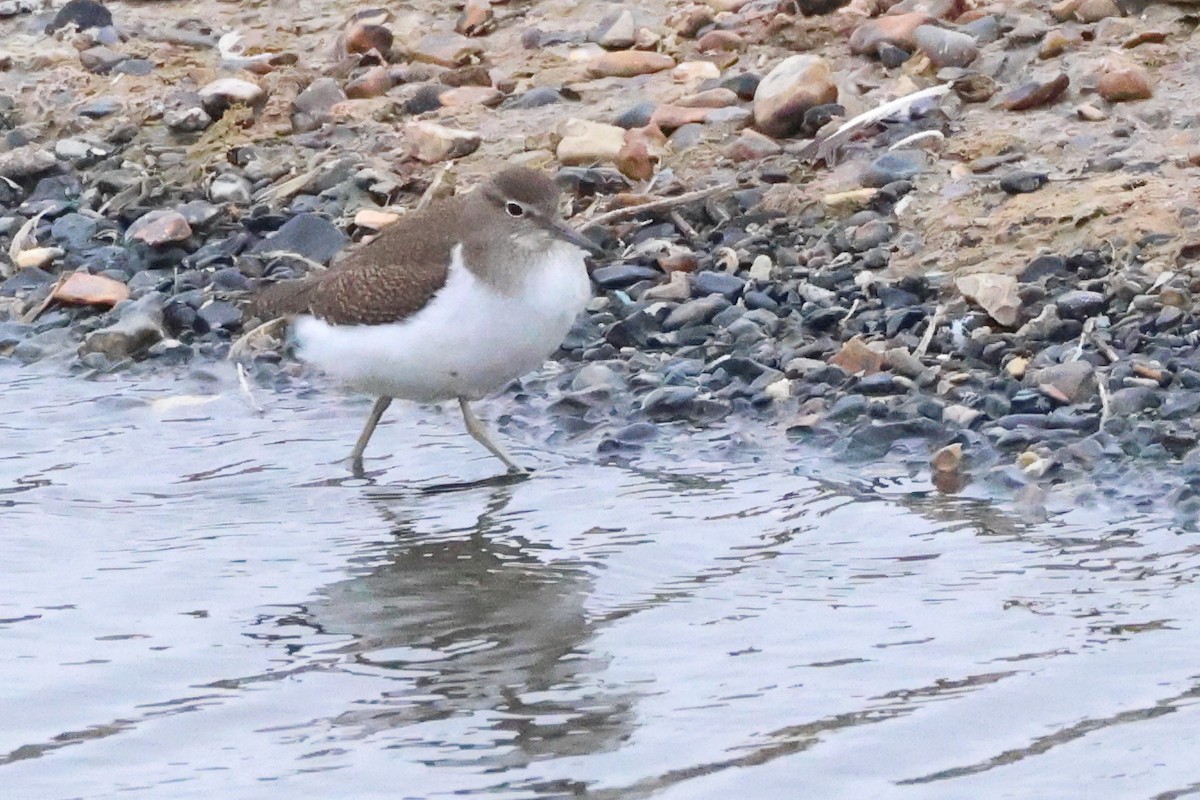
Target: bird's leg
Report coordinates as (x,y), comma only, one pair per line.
(356,455)
(480,434)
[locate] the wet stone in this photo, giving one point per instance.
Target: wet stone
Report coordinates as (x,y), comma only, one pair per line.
(74,231)
(621,276)
(668,402)
(700,311)
(1023,182)
(218,315)
(721,283)
(159,227)
(310,235)
(897,165)
(1079,304)
(1133,400)
(1044,266)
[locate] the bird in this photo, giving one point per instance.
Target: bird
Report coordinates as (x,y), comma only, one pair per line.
(450,302)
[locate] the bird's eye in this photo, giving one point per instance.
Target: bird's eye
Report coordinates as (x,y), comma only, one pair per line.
(514,209)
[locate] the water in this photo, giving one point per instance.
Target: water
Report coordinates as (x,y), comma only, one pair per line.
(198,600)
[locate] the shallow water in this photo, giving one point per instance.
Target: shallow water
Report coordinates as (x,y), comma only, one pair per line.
(197,599)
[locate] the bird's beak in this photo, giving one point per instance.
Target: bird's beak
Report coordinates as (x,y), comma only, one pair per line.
(568,234)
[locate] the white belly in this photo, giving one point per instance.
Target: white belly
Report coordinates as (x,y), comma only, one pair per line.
(469,341)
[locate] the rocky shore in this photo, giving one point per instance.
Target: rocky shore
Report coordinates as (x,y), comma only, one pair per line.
(955,236)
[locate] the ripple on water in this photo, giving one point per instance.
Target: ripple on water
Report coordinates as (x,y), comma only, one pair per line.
(202,601)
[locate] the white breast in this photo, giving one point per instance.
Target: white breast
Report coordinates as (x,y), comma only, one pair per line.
(469,341)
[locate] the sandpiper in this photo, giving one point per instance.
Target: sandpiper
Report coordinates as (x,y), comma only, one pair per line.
(448,303)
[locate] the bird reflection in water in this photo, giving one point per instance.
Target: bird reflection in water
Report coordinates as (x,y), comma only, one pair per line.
(480,623)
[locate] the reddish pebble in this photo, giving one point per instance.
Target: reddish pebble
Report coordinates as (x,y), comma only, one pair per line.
(720,41)
(1034,95)
(82,289)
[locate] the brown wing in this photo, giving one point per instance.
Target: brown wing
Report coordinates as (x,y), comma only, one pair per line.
(384,281)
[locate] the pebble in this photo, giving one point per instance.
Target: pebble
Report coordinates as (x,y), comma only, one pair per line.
(1122,82)
(446,50)
(751,146)
(37,257)
(995,293)
(857,358)
(159,227)
(1035,94)
(80,288)
(537,97)
(1023,181)
(795,85)
(313,106)
(1074,381)
(1079,304)
(585,142)
(310,235)
(26,161)
(628,64)
(230,188)
(477,18)
(898,30)
(431,143)
(617,31)
(217,96)
(138,327)
(83,14)
(945,48)
(100,59)
(721,283)
(721,41)
(897,165)
(187,120)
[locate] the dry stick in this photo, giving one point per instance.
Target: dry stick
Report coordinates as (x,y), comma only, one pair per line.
(1104,407)
(271,327)
(658,205)
(938,314)
(35,312)
(245,384)
(687,230)
(1078,354)
(1105,349)
(427,197)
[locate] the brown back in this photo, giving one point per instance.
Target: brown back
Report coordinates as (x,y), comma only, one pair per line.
(385,280)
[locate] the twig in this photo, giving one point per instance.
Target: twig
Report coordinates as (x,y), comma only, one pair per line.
(35,312)
(240,348)
(434,185)
(853,308)
(1105,409)
(939,313)
(658,205)
(24,239)
(687,230)
(1104,348)
(1078,354)
(245,384)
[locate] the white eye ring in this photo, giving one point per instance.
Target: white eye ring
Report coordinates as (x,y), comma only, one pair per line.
(514,209)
